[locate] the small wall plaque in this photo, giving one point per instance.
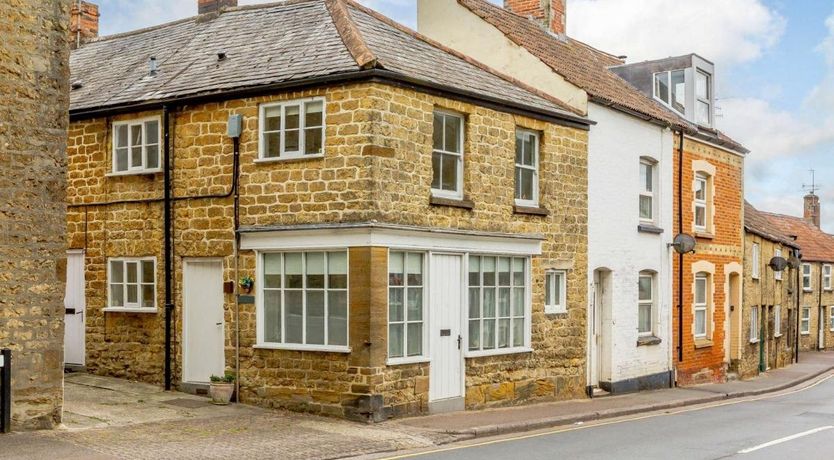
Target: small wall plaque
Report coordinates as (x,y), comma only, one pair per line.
(245,299)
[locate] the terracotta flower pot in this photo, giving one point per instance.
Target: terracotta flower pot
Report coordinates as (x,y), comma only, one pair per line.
(221,393)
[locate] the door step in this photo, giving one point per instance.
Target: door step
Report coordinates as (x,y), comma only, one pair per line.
(197,389)
(599,393)
(732,376)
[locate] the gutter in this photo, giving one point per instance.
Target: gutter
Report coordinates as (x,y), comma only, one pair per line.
(820,311)
(169,252)
(680,256)
(372,75)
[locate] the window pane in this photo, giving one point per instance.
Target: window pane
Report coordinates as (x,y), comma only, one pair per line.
(700,216)
(702,113)
(518,332)
(136,156)
(645,207)
(701,85)
(293,316)
(152,156)
(337,277)
(489,270)
(415,304)
(474,335)
(291,141)
(474,303)
(272,271)
(395,304)
(292,114)
(700,189)
(436,166)
(152,132)
(557,292)
(504,271)
(415,269)
(503,333)
(121,159)
(313,141)
(395,268)
(272,118)
(700,322)
(700,291)
(474,271)
(644,321)
(489,302)
(315,270)
(132,272)
(117,295)
(645,288)
(530,150)
(518,301)
(519,148)
(121,136)
(313,115)
(292,270)
(415,339)
(549,279)
(272,316)
(148,300)
(147,271)
(437,132)
(135,135)
(272,145)
(452,134)
(337,321)
(132,293)
(449,173)
(678,91)
(117,273)
(518,272)
(524,190)
(504,302)
(661,86)
(489,333)
(395,340)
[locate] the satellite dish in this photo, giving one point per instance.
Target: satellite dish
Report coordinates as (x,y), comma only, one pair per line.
(794,262)
(683,243)
(778,264)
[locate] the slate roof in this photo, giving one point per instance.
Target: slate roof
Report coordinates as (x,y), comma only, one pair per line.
(757,222)
(587,68)
(276,43)
(817,246)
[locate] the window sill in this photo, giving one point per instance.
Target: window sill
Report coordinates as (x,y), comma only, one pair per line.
(301,347)
(776,336)
(289,159)
(145,172)
(705,235)
(452,202)
(128,310)
(807,290)
(499,352)
(649,228)
(555,312)
(703,343)
(648,340)
(805,333)
(410,360)
(753,341)
(530,210)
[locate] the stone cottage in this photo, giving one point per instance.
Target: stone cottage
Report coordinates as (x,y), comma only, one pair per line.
(816,287)
(408,215)
(630,182)
(708,206)
(763,331)
(33,137)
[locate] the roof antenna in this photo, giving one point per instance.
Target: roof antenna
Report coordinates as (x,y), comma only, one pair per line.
(813,187)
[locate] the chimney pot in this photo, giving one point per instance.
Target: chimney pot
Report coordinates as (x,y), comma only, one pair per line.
(550,14)
(211,6)
(83,22)
(812,209)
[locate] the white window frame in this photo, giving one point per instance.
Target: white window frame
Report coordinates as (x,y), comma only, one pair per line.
(535,168)
(551,278)
(458,193)
(777,321)
(831,318)
(283,154)
(777,275)
(135,307)
(757,260)
(807,272)
(259,300)
(805,321)
(826,277)
(754,324)
(698,99)
(142,169)
(650,302)
(424,355)
(701,203)
(701,306)
(527,330)
(650,194)
(670,103)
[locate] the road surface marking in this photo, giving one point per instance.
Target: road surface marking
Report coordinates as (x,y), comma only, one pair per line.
(785,439)
(564,429)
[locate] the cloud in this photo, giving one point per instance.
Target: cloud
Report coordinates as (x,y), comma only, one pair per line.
(726,31)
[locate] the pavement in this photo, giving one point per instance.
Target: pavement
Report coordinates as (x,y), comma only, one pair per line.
(108,418)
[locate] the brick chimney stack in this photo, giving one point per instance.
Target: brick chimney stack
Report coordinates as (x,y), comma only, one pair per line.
(83,23)
(550,14)
(812,209)
(210,6)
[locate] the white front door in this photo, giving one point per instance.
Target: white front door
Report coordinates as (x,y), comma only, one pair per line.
(203,341)
(74,313)
(446,378)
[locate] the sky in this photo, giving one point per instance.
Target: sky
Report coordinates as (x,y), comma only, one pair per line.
(774,72)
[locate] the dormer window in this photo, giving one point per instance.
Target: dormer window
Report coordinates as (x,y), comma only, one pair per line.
(703,92)
(670,88)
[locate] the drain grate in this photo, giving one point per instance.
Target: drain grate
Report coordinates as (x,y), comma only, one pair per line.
(187,403)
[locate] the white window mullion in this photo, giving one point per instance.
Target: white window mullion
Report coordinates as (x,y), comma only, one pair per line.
(283,131)
(326,296)
(304,298)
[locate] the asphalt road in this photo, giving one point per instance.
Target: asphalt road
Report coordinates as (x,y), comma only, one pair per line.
(794,425)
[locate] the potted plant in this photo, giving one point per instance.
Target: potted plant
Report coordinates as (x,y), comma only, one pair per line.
(246,283)
(222,388)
